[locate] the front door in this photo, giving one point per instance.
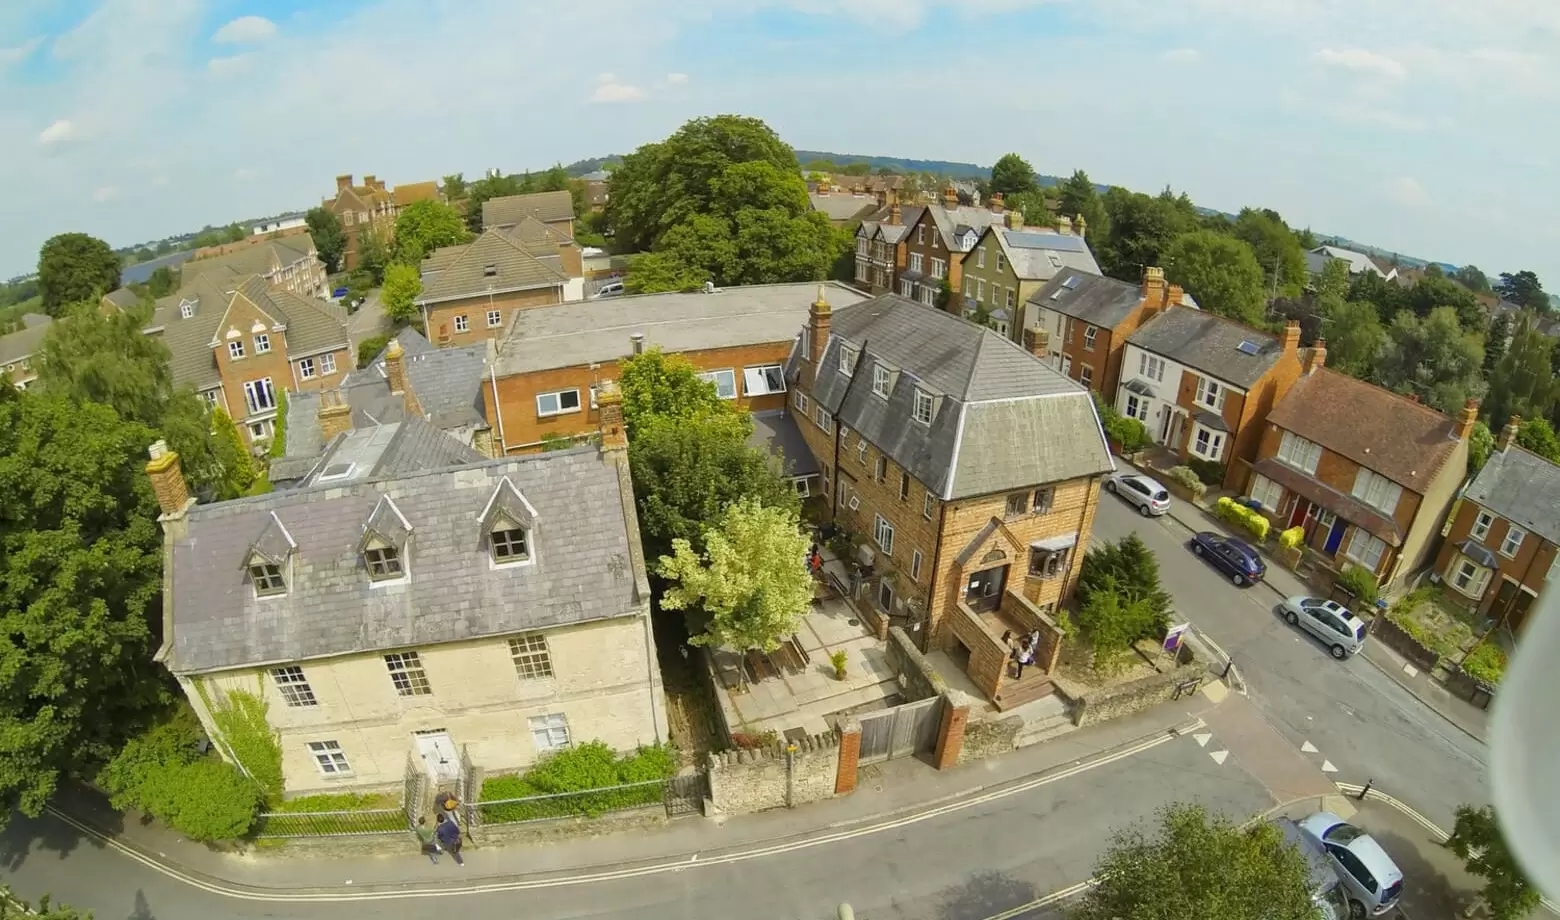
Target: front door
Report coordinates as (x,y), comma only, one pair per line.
(438,754)
(1335,537)
(1302,507)
(985,589)
(1511,605)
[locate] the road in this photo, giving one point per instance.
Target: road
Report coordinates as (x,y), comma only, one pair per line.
(1357,718)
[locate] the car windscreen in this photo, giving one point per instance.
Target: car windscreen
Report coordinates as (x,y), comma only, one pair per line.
(1342,834)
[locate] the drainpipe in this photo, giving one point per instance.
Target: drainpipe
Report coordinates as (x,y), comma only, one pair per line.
(498,409)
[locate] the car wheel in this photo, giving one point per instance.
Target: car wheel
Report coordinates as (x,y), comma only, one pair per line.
(1292,617)
(1144,510)
(1339,652)
(1110,487)
(1356,910)
(1239,580)
(1196,549)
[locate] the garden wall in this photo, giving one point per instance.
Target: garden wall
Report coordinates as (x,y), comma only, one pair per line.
(990,736)
(786,774)
(916,676)
(651,816)
(1394,637)
(1136,696)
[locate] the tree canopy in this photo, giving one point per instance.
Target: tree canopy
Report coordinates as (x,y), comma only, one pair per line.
(1012,175)
(1277,250)
(1220,271)
(657,385)
(1471,278)
(1477,840)
(1523,288)
(330,238)
(1079,196)
(1523,382)
(1141,229)
(1538,436)
(1432,358)
(424,226)
(75,267)
(403,285)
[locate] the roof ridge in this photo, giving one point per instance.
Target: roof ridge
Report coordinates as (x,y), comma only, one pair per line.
(1222,319)
(1400,397)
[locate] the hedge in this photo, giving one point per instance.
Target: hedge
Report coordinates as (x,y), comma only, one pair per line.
(583,769)
(1235,513)
(1187,478)
(1485,663)
(1362,584)
(1292,538)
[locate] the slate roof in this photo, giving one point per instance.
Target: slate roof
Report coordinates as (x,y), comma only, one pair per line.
(1521,487)
(466,273)
(25,341)
(547,207)
(590,331)
(1405,441)
(1209,344)
(775,432)
(254,259)
(949,220)
(1037,255)
(583,567)
(1088,297)
(1001,418)
(123,298)
(535,236)
(843,206)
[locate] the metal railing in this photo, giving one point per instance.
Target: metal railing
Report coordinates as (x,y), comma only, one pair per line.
(588,803)
(362,823)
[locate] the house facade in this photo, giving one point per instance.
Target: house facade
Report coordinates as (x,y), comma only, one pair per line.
(514,623)
(472,292)
(937,240)
(1010,263)
(1503,546)
(1203,385)
(969,468)
(287,263)
(372,207)
(1370,475)
(1087,319)
(880,250)
(19,349)
(546,373)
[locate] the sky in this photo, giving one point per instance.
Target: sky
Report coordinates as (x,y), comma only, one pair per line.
(1413,125)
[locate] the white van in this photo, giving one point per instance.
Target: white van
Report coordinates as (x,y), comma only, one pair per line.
(610,289)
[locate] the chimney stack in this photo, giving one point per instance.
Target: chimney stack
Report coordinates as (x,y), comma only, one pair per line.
(1015,219)
(1080,224)
(893,214)
(395,367)
(343,183)
(1508,435)
(1318,357)
(1064,225)
(609,401)
(1154,287)
(1174,294)
(1038,341)
(950,196)
(823,187)
(638,340)
(334,414)
(1291,337)
(1467,418)
(173,493)
(996,202)
(818,320)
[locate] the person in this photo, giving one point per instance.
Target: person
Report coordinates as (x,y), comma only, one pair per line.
(1026,655)
(429,842)
(448,836)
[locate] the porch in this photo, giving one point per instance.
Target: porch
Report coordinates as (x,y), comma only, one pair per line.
(980,641)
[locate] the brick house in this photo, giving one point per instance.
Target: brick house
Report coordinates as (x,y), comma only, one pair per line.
(554,209)
(880,250)
(1087,319)
(1369,474)
(1009,263)
(289,263)
(545,373)
(842,206)
(1503,545)
(1203,385)
(969,468)
(936,241)
(241,342)
(472,291)
(18,349)
(553,248)
(372,207)
(514,623)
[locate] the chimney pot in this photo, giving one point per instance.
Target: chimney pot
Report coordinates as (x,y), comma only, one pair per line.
(950,196)
(1291,336)
(1174,294)
(1064,224)
(1038,341)
(1154,286)
(996,202)
(1080,224)
(609,402)
(343,182)
(1014,218)
(1318,357)
(1508,435)
(173,493)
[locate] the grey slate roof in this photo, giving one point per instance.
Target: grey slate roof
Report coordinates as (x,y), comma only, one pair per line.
(466,274)
(583,567)
(776,433)
(254,259)
(1098,301)
(123,298)
(843,206)
(949,220)
(547,207)
(1001,418)
(590,331)
(1039,256)
(1521,487)
(1209,344)
(25,341)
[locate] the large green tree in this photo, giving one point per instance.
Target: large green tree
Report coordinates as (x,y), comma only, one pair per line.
(1276,247)
(162,282)
(376,251)
(1354,337)
(1429,293)
(1477,840)
(1523,381)
(656,385)
(82,561)
(1012,175)
(1077,196)
(424,226)
(45,909)
(1470,277)
(1129,568)
(75,267)
(1220,271)
(1432,358)
(1538,436)
(1523,288)
(403,285)
(1141,229)
(330,238)
(1193,866)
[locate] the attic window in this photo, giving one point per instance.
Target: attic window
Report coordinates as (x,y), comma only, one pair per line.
(335,471)
(510,544)
(186,309)
(490,271)
(509,522)
(384,563)
(880,380)
(1248,347)
(1071,282)
(267,579)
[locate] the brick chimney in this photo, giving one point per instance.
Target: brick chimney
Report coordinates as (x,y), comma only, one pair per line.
(400,383)
(343,183)
(1508,435)
(609,400)
(823,187)
(1014,219)
(950,196)
(1080,224)
(1291,337)
(173,493)
(893,214)
(818,319)
(1467,418)
(996,202)
(1317,358)
(1038,341)
(1064,225)
(371,182)
(1174,295)
(334,414)
(1154,287)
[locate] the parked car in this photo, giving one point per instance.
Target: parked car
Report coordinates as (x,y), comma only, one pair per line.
(1235,558)
(1370,878)
(1336,625)
(610,289)
(1326,887)
(1151,498)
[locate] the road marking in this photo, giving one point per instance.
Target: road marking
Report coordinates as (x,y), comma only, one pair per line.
(1410,670)
(1203,738)
(1219,756)
(1327,767)
(1308,747)
(439,890)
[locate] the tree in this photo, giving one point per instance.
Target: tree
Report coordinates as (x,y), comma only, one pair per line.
(374,252)
(1141,229)
(237,463)
(1538,436)
(1523,381)
(1012,175)
(1333,282)
(162,282)
(1220,271)
(330,238)
(45,909)
(403,285)
(82,561)
(1079,196)
(1354,337)
(1198,865)
(820,166)
(1429,293)
(854,169)
(747,579)
(1032,205)
(1496,341)
(1523,288)
(1126,567)
(1276,247)
(1471,278)
(1113,620)
(1432,358)
(1481,443)
(659,272)
(1477,840)
(424,226)
(235,233)
(455,187)
(75,267)
(657,385)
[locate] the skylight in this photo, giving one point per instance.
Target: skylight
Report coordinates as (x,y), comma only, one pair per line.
(1071,282)
(1248,347)
(336,471)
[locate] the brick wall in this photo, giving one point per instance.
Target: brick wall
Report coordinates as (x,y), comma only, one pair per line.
(1248,428)
(916,676)
(988,657)
(441,317)
(785,775)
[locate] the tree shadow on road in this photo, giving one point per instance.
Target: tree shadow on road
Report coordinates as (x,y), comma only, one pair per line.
(983,896)
(23,836)
(143,910)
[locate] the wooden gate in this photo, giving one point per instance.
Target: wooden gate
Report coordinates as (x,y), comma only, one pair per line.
(900,731)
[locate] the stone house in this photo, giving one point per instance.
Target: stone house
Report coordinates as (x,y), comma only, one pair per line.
(1369,474)
(970,470)
(288,263)
(1086,319)
(473,291)
(554,209)
(936,241)
(545,374)
(373,207)
(1203,385)
(1503,545)
(18,349)
(393,618)
(1009,263)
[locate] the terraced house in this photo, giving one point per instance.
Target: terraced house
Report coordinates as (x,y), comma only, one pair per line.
(1010,262)
(471,292)
(289,263)
(1087,318)
(880,250)
(373,207)
(936,241)
(391,613)
(969,467)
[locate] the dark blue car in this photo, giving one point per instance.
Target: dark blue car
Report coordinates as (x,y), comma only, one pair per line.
(1235,558)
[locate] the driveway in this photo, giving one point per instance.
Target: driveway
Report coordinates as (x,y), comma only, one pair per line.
(369,320)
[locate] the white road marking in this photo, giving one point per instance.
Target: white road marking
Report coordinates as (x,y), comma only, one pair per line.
(1308,747)
(1203,738)
(1410,670)
(1218,756)
(1327,767)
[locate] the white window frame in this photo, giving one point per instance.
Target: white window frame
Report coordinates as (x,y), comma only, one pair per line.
(495,318)
(557,403)
(262,343)
(1365,549)
(1151,367)
(883,534)
(292,685)
(980,257)
(1267,492)
(235,349)
(725,380)
(920,234)
(1210,394)
(1215,439)
(546,729)
(928,502)
(508,544)
(861,449)
(915,565)
(462,324)
(327,365)
(847,360)
(881,381)
(756,380)
(921,408)
(916,261)
(1136,407)
(1468,578)
(939,268)
(1001,262)
(329,758)
(1510,548)
(800,401)
(1377,491)
(306,368)
(186,310)
(1299,453)
(980,290)
(253,388)
(1481,525)
(1085,374)
(906,287)
(823,419)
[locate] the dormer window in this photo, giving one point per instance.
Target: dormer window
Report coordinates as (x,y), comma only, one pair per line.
(384,563)
(267,560)
(880,380)
(847,360)
(186,309)
(922,412)
(386,535)
(267,579)
(490,271)
(509,522)
(510,545)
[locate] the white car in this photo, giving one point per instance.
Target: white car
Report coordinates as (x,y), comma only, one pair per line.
(1370,878)
(1336,625)
(1151,498)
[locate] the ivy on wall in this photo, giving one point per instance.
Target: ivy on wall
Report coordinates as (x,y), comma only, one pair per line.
(250,740)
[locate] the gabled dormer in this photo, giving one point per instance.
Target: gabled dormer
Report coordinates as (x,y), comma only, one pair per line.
(268,563)
(386,544)
(509,526)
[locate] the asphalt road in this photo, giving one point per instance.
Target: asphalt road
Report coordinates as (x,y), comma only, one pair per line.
(1356,717)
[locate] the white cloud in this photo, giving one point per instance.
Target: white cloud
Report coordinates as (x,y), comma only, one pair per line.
(225,66)
(18,53)
(676,79)
(1406,191)
(59,132)
(616,92)
(245,30)
(1361,61)
(1181,56)
(105,193)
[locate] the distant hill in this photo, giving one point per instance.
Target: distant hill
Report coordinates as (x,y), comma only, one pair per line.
(944,167)
(581,167)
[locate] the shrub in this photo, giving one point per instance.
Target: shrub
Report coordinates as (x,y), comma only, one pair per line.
(1235,513)
(1362,584)
(140,762)
(1292,538)
(369,349)
(204,800)
(1187,478)
(1211,472)
(1126,567)
(1485,663)
(1129,433)
(838,658)
(581,769)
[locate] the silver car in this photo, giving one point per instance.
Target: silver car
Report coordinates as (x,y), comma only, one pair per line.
(1326,888)
(1336,625)
(1370,878)
(1150,497)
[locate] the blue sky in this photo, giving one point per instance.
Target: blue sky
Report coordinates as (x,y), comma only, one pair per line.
(1416,126)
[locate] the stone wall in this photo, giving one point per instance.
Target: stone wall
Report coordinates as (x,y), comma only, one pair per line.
(916,676)
(1134,696)
(989,736)
(785,775)
(1396,638)
(541,832)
